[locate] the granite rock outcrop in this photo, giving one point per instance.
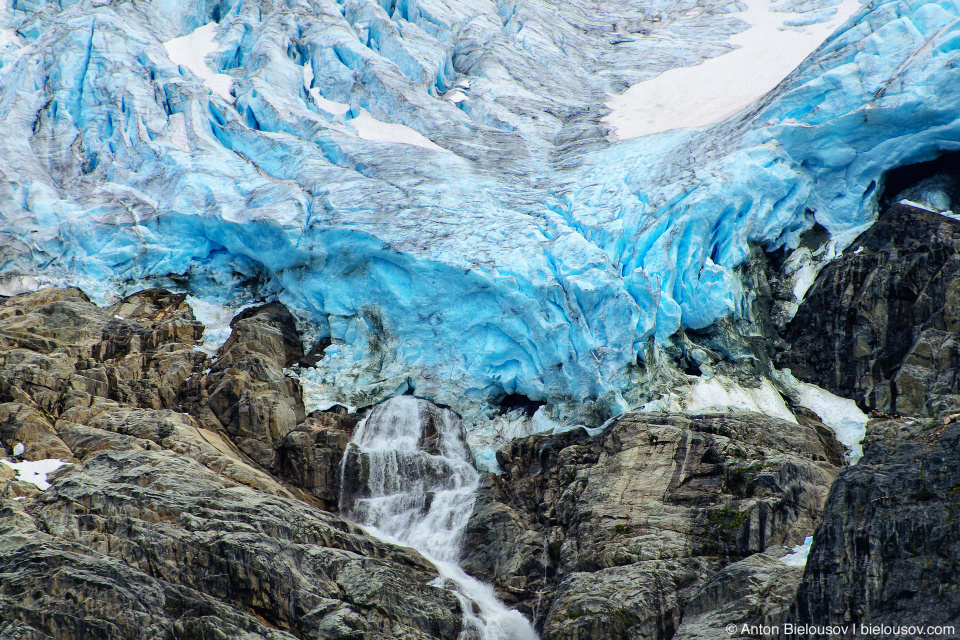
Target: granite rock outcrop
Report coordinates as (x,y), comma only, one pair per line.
(191,504)
(612,536)
(880,324)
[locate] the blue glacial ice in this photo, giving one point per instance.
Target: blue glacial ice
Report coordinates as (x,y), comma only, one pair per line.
(429,183)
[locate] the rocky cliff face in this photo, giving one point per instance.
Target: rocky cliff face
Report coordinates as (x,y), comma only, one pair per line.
(880,323)
(190,504)
(757,590)
(888,551)
(613,536)
(161,526)
(198,496)
(668,526)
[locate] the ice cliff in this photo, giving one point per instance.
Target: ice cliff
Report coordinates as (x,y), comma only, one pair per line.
(431,183)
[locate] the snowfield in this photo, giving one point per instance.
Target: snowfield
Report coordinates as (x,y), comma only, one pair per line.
(774,43)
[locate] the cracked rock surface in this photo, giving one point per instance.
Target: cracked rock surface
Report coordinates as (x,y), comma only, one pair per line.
(162,525)
(614,536)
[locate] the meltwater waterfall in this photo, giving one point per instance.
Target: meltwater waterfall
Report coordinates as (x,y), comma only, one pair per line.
(410,480)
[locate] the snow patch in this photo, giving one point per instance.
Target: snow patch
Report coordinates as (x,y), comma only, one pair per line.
(369,128)
(802,267)
(459,92)
(917,205)
(947,213)
(800,553)
(9,37)
(177,127)
(35,472)
(720,87)
(331,107)
(840,414)
(10,40)
(191,51)
(714,394)
(455,96)
(334,108)
(805,278)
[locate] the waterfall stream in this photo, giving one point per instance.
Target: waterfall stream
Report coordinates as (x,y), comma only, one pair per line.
(411,481)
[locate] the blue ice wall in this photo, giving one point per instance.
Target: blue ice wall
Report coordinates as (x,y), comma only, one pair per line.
(524,253)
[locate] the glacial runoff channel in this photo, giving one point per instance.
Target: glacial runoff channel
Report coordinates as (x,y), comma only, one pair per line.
(408,477)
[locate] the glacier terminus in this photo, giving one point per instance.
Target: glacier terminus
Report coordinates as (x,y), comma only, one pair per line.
(475,202)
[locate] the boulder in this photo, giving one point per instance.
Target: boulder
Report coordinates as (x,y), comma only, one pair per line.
(135,544)
(257,404)
(756,591)
(310,456)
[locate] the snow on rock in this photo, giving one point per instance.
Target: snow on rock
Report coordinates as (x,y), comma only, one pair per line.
(35,471)
(804,270)
(191,51)
(917,205)
(936,195)
(840,414)
(798,558)
(718,394)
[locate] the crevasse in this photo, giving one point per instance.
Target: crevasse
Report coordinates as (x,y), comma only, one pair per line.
(520,251)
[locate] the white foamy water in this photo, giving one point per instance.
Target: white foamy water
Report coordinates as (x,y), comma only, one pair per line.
(409,479)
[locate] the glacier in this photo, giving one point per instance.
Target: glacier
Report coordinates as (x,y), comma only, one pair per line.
(433,185)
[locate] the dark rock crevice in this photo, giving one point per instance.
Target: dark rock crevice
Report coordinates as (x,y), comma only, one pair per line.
(881,325)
